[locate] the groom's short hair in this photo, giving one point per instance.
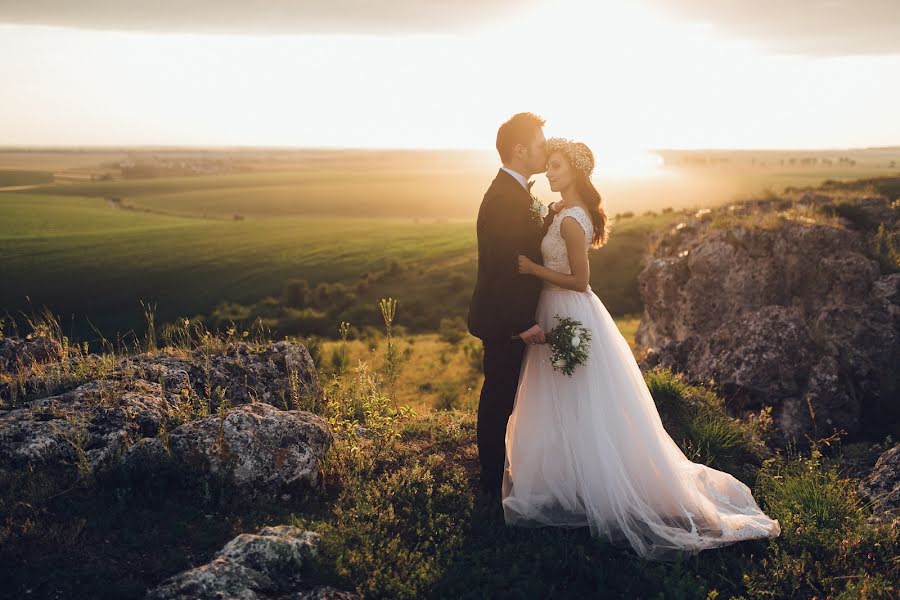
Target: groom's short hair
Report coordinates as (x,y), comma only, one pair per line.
(519,129)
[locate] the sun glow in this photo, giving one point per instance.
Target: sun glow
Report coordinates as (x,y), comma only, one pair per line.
(612,74)
(619,76)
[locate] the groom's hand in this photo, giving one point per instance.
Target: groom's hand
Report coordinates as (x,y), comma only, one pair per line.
(535,335)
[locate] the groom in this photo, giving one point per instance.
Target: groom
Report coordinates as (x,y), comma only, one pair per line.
(502,310)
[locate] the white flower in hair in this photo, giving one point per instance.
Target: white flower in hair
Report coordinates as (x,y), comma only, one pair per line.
(578,154)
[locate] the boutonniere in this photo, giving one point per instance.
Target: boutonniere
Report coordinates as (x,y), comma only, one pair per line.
(538,210)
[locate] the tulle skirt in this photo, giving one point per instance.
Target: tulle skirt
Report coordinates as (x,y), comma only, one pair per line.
(591,450)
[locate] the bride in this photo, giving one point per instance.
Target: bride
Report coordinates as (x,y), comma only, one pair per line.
(590,449)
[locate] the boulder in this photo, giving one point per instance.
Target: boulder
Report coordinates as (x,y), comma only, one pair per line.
(270,564)
(243,372)
(254,448)
(281,373)
(114,422)
(82,430)
(773,307)
(882,485)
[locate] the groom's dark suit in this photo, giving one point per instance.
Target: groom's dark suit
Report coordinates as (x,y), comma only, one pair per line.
(503,305)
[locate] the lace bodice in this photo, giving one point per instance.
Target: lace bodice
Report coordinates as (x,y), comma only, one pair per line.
(553,246)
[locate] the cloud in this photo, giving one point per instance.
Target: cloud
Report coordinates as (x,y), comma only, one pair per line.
(808,27)
(261,16)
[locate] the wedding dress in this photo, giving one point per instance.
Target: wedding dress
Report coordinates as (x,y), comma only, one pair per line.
(591,450)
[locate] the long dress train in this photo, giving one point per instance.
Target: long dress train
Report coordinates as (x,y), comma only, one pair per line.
(591,450)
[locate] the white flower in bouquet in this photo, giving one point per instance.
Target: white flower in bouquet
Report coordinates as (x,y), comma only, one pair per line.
(576,341)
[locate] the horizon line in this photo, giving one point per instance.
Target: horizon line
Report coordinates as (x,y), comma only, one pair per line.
(14,148)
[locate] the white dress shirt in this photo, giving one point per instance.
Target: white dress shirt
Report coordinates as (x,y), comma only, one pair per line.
(524,183)
(518,177)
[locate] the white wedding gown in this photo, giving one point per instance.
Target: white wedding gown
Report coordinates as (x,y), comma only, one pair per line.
(591,450)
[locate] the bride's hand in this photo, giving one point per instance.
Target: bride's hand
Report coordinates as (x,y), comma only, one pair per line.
(525,265)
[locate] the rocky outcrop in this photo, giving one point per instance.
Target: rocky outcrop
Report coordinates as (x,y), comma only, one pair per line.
(281,373)
(882,485)
(255,448)
(271,564)
(116,422)
(241,371)
(83,430)
(777,307)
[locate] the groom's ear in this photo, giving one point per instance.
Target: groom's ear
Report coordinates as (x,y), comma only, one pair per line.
(520,151)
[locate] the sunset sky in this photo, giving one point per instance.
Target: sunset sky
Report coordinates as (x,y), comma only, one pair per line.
(622,75)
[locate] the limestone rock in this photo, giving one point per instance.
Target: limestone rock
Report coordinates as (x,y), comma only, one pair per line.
(773,307)
(82,430)
(243,372)
(256,448)
(882,485)
(269,564)
(114,422)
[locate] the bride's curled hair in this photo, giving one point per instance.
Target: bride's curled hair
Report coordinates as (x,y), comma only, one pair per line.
(581,159)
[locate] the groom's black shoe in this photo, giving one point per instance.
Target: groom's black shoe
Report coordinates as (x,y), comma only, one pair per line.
(488,506)
(488,499)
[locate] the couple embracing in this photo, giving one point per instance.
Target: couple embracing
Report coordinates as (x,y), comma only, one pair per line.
(585,449)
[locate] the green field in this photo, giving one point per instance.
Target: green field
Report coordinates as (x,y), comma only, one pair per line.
(334,191)
(77,255)
(308,239)
(80,256)
(9,177)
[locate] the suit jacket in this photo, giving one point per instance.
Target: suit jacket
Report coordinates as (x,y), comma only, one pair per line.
(504,301)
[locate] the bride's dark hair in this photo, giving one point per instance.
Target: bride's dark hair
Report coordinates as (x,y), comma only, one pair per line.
(590,195)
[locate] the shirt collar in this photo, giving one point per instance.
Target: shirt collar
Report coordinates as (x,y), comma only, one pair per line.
(518,177)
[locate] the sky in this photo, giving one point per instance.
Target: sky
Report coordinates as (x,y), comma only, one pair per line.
(625,76)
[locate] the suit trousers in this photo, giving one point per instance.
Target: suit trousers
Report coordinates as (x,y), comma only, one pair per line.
(502,365)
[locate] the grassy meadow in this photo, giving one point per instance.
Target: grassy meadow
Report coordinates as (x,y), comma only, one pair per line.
(435,371)
(399,516)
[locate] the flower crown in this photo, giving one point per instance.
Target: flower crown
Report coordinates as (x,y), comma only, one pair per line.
(577,153)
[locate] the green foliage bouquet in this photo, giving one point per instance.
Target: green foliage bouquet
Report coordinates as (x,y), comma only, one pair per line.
(569,342)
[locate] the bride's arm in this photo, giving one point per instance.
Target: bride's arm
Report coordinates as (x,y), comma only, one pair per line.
(573,234)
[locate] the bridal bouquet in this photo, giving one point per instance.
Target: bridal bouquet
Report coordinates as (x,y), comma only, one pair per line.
(569,342)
